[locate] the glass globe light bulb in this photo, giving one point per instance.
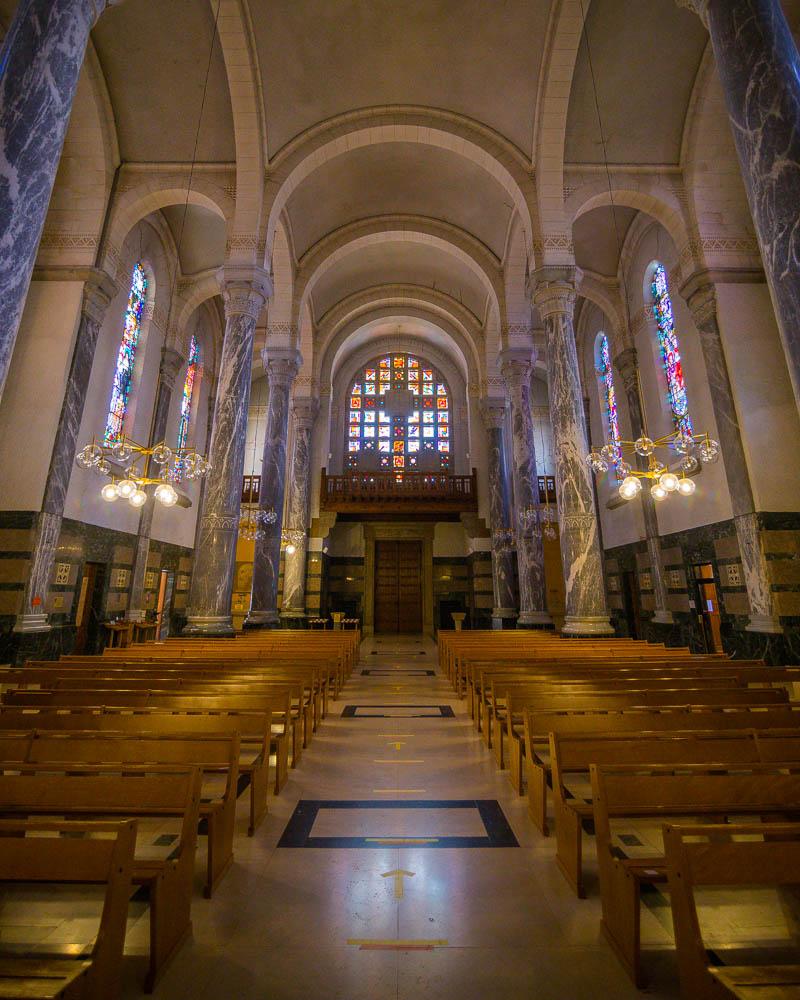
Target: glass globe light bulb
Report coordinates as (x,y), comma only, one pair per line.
(709,451)
(624,469)
(643,446)
(689,464)
(683,443)
(162,454)
(686,487)
(629,488)
(127,488)
(138,498)
(121,450)
(609,452)
(102,468)
(669,481)
(169,497)
(110,492)
(84,458)
(657,491)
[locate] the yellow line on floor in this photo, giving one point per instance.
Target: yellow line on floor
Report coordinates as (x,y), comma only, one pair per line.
(398,791)
(402,840)
(397,760)
(409,945)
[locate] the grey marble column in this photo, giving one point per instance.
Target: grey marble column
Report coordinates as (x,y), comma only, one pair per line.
(701,297)
(281,366)
(627,364)
(201,493)
(517,367)
(494,414)
(245,291)
(304,413)
(40,62)
(98,292)
(171,364)
(759,66)
(586,612)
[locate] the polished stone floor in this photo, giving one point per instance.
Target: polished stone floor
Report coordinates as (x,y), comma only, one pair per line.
(299,922)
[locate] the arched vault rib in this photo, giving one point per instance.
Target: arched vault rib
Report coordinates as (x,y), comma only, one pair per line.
(373,126)
(399,228)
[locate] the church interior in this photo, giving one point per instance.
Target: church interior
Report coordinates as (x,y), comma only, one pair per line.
(384,392)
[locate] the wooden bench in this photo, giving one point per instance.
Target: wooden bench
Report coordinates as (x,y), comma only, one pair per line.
(81,791)
(627,793)
(699,856)
(216,754)
(70,854)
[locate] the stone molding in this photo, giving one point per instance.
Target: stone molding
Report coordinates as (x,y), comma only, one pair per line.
(221,522)
(245,290)
(281,366)
(98,292)
(555,290)
(305,411)
(517,365)
(627,364)
(171,363)
(493,412)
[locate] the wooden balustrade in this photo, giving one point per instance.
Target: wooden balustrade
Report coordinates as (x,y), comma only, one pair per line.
(367,492)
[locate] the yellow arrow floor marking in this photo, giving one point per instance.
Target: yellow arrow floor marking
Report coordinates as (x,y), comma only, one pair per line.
(397,744)
(398,875)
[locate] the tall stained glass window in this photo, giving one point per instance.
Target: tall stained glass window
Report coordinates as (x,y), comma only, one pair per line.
(670,351)
(418,442)
(123,373)
(606,373)
(188,390)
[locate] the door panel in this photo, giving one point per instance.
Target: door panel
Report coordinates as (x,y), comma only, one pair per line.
(398,586)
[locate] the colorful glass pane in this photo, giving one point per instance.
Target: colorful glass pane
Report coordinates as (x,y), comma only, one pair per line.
(606,373)
(670,351)
(126,357)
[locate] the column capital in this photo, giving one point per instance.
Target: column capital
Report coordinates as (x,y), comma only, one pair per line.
(98,291)
(281,365)
(700,294)
(493,412)
(555,289)
(171,363)
(627,364)
(516,364)
(699,7)
(245,289)
(304,411)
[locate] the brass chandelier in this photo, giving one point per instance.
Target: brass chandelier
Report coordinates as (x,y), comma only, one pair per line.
(130,483)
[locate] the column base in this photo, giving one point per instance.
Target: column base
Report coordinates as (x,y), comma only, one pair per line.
(220,626)
(764,623)
(663,617)
(262,619)
(31,623)
(534,619)
(504,618)
(579,625)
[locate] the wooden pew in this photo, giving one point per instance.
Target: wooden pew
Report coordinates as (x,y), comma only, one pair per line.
(539,726)
(98,792)
(216,754)
(572,755)
(709,855)
(642,791)
(29,855)
(258,738)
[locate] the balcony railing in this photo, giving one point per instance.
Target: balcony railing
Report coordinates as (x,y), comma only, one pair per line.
(406,492)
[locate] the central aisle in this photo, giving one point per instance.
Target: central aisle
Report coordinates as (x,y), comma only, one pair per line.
(313,907)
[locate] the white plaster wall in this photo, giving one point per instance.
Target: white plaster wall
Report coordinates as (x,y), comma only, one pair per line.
(762,390)
(34,390)
(84,502)
(711,501)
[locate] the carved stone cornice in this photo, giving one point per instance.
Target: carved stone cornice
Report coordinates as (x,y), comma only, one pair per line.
(304,412)
(245,289)
(493,412)
(555,290)
(171,363)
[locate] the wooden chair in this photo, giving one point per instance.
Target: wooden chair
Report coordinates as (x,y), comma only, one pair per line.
(708,855)
(88,853)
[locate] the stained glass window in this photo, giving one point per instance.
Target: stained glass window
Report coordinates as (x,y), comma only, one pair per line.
(418,442)
(123,374)
(606,373)
(670,351)
(188,389)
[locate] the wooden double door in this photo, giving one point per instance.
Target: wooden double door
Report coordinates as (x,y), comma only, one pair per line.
(398,586)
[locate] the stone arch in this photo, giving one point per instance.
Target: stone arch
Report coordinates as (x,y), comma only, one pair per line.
(409,124)
(280,304)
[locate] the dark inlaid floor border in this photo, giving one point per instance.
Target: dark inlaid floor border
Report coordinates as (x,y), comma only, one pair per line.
(357,712)
(298,829)
(398,672)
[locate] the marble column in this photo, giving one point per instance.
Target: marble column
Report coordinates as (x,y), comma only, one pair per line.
(98,291)
(40,62)
(281,366)
(586,612)
(245,291)
(494,414)
(304,413)
(759,66)
(171,364)
(627,364)
(701,298)
(201,493)
(517,366)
